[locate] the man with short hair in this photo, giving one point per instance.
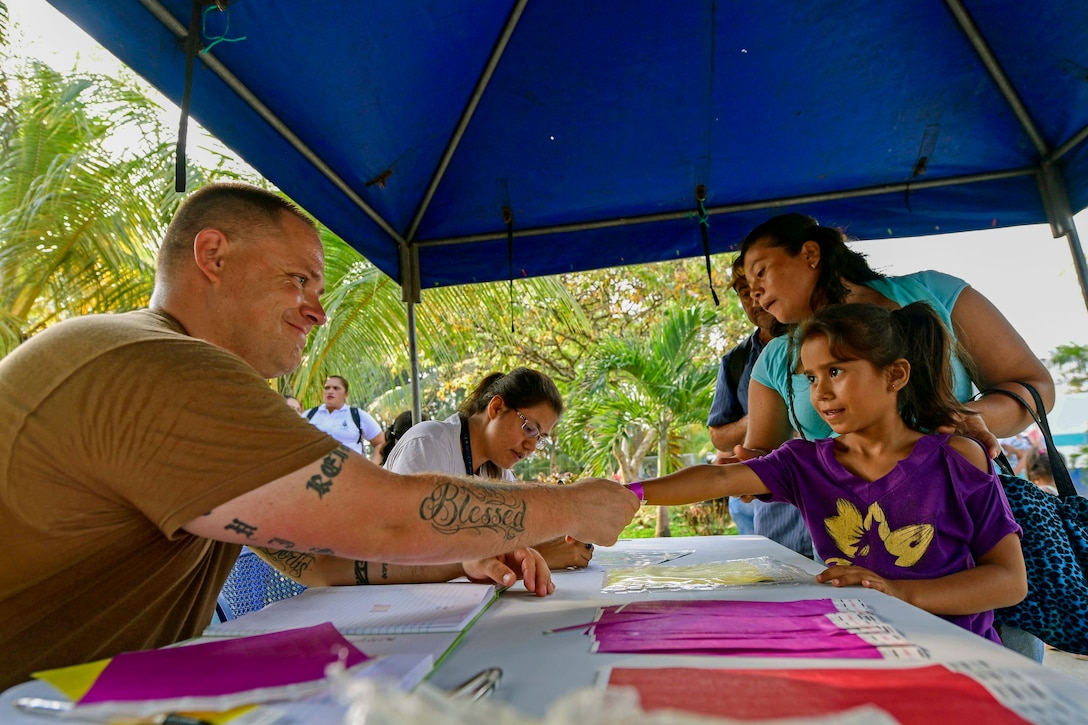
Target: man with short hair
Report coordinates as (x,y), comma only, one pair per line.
(128,486)
(728,423)
(346,423)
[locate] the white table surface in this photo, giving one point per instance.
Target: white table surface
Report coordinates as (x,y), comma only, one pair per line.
(539,668)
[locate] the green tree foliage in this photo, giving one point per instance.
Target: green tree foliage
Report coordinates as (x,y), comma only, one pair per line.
(1072,363)
(85,192)
(639,393)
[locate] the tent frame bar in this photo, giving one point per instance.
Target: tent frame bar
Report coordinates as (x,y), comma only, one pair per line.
(734,208)
(182,33)
(997,73)
(466,116)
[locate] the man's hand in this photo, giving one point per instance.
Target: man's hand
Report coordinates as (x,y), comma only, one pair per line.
(599,510)
(525,564)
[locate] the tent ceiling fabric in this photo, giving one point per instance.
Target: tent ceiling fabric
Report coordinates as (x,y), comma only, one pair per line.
(410,124)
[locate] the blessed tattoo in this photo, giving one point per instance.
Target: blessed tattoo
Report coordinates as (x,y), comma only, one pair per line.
(452,508)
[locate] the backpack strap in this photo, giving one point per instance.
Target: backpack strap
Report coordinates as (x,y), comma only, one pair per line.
(358,421)
(310,413)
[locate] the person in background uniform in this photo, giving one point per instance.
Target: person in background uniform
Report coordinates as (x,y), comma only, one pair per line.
(346,423)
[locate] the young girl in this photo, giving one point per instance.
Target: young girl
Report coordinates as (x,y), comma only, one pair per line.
(917,516)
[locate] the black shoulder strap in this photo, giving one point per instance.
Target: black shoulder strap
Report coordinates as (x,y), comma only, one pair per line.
(1062,480)
(358,421)
(310,413)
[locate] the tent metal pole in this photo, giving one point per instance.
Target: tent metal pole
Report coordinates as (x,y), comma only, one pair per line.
(1077,251)
(413,363)
(1056,200)
(410,294)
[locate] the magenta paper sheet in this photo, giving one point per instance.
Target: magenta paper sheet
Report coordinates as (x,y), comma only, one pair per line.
(822,628)
(223,667)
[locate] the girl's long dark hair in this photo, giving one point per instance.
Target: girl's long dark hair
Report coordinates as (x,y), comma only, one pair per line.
(914,333)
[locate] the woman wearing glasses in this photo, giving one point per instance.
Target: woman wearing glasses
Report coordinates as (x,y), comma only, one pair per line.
(505,418)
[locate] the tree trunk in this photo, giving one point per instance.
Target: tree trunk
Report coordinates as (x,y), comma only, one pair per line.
(662,526)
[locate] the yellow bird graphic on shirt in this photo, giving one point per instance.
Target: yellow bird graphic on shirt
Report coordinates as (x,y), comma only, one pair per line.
(848,528)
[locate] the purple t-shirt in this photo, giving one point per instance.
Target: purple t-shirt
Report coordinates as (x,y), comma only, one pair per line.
(934,514)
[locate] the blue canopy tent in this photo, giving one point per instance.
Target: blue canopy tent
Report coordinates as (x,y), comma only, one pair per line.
(458,142)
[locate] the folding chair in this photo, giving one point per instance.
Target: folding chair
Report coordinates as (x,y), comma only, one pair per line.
(252,585)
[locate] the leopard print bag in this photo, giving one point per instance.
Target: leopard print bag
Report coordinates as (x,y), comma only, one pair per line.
(1055,544)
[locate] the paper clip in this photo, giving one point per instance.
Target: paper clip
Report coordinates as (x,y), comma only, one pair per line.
(479,686)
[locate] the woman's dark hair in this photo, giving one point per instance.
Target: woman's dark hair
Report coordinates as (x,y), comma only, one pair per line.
(395,432)
(838,262)
(519,388)
(915,333)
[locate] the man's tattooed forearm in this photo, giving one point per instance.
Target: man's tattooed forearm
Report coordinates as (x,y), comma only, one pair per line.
(292,563)
(454,507)
(330,469)
(241,527)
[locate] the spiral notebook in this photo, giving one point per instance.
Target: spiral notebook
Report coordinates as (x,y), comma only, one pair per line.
(358,610)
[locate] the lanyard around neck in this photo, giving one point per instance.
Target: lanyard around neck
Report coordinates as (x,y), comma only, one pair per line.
(466,447)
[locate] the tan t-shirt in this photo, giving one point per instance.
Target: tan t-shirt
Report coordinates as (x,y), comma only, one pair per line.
(116,431)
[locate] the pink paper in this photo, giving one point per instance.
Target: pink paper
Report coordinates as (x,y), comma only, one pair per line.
(223,667)
(722,627)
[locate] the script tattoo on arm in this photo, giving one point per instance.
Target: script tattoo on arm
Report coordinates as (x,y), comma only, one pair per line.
(292,563)
(241,527)
(454,507)
(330,469)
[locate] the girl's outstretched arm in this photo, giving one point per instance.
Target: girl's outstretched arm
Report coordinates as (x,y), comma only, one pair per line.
(999,580)
(699,483)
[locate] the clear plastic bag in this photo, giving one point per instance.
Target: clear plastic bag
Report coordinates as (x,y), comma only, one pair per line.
(709,576)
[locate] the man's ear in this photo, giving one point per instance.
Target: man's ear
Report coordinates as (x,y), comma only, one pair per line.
(210,249)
